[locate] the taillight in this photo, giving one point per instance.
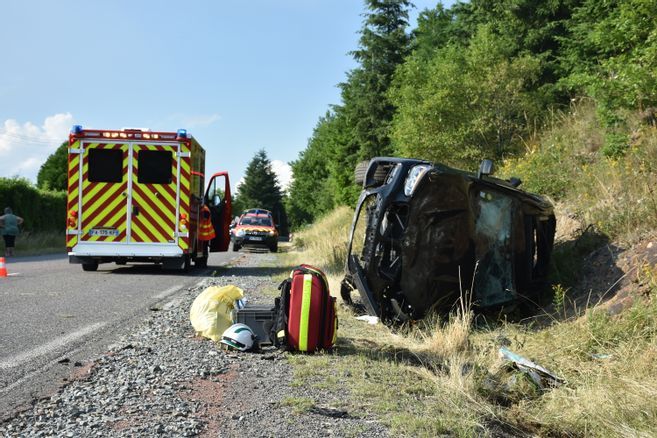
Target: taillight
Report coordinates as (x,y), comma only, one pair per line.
(184,223)
(72,219)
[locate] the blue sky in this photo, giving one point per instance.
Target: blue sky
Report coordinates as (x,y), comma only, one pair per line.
(240,76)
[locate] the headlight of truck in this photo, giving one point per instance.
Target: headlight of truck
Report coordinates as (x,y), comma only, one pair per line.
(414,176)
(239,233)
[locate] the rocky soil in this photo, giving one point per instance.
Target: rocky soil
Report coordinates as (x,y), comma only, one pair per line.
(162,380)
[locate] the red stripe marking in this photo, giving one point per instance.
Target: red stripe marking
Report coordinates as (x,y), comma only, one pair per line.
(184,174)
(90,202)
(72,171)
(111,213)
(158,188)
(162,217)
(171,191)
(152,222)
(143,229)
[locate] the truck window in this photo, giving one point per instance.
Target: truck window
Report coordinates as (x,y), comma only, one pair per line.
(154,167)
(105,165)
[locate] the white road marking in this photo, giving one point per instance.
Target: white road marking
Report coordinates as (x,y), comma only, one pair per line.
(16,360)
(168,292)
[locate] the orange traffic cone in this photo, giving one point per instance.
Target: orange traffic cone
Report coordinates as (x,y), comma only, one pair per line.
(3,268)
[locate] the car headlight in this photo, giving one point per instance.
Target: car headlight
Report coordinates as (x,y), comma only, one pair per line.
(414,176)
(239,233)
(271,232)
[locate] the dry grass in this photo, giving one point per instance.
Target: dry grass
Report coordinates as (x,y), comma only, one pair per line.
(326,241)
(616,195)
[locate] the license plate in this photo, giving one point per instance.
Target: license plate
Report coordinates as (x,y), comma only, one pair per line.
(103,232)
(256,238)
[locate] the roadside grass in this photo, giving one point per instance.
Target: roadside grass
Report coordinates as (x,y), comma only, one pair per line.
(37,243)
(444,376)
(616,196)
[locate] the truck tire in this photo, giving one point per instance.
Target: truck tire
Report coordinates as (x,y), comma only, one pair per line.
(90,267)
(201,262)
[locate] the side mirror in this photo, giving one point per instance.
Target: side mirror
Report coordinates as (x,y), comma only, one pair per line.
(485,168)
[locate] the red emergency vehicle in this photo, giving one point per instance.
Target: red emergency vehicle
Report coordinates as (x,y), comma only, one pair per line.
(136,196)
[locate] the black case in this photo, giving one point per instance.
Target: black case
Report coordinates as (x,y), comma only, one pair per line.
(260,319)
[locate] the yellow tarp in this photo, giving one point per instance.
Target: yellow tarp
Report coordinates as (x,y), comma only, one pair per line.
(210,313)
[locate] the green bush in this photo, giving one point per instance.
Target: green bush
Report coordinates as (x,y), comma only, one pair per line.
(42,210)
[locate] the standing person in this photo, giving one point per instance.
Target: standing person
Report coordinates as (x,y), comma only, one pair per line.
(9,223)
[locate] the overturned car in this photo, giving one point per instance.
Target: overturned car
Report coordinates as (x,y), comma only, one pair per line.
(423,234)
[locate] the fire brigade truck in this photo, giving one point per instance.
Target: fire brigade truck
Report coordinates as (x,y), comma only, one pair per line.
(138,196)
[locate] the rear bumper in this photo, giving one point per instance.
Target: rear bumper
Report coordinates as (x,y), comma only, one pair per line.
(128,251)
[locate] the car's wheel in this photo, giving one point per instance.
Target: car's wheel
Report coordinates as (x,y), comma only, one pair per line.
(274,248)
(236,247)
(361,170)
(92,266)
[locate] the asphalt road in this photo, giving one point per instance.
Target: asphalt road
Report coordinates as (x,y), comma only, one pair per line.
(53,314)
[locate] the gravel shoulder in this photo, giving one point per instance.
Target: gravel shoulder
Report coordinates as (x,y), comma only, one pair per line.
(160,379)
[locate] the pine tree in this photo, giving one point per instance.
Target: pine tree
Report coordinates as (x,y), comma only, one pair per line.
(366,113)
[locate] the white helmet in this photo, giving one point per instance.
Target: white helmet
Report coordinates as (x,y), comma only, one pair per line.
(238,336)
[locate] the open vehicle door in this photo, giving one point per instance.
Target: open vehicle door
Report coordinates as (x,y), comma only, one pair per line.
(218,200)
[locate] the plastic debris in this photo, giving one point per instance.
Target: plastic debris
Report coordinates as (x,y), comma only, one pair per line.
(211,310)
(372,320)
(539,375)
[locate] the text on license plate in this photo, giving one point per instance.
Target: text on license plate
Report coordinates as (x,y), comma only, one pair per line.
(103,232)
(255,238)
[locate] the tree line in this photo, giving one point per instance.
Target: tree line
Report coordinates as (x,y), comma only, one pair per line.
(474,81)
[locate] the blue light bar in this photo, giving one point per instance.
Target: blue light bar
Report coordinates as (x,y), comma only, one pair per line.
(182,133)
(76,129)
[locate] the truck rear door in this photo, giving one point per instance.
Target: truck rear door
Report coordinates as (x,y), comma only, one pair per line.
(103,175)
(154,193)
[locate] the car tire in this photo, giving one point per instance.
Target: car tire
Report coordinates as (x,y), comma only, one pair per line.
(360,171)
(273,248)
(236,247)
(90,267)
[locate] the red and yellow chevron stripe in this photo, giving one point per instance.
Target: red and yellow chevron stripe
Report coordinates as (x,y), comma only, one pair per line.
(73,195)
(104,204)
(156,203)
(185,189)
